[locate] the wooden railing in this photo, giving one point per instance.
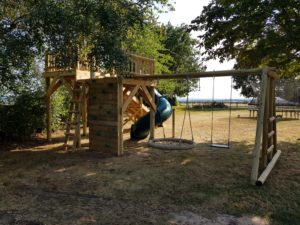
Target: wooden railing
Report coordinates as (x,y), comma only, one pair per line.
(54,63)
(138,65)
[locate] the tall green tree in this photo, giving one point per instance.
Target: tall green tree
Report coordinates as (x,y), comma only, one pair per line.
(173,49)
(29,28)
(254,33)
(148,41)
(182,48)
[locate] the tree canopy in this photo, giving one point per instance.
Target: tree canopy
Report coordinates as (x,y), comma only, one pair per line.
(183,50)
(29,28)
(173,49)
(100,30)
(253,32)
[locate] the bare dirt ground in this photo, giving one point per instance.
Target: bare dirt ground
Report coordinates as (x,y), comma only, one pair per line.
(41,184)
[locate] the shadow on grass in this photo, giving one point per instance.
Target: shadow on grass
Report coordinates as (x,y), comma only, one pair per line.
(204,180)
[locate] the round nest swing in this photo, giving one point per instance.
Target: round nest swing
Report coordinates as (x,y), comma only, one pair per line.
(176,143)
(171,143)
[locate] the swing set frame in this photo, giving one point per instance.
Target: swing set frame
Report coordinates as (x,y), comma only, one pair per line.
(265,152)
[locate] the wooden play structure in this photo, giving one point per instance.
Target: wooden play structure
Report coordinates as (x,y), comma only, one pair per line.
(106,102)
(106,98)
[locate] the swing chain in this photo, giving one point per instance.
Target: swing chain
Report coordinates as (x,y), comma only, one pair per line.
(187,108)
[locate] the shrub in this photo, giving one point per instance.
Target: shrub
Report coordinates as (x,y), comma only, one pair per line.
(60,106)
(25,117)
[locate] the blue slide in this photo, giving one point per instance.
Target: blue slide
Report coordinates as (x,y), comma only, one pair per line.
(140,130)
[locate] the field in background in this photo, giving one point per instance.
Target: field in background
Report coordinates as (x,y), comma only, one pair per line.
(41,184)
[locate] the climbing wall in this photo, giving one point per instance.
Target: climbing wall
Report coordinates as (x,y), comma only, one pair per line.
(105,115)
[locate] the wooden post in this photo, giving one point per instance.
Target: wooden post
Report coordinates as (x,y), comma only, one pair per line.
(48,105)
(120,116)
(152,116)
(84,111)
(259,127)
(274,126)
(173,123)
(266,122)
(271,114)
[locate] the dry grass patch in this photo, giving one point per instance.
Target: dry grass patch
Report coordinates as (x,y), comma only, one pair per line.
(147,186)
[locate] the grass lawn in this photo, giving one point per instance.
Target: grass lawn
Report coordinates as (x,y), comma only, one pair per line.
(41,184)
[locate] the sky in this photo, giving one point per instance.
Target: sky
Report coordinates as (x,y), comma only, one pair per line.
(185,12)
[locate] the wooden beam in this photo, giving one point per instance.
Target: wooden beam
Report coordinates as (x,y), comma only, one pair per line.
(272,73)
(51,85)
(134,82)
(65,73)
(173,123)
(48,105)
(67,85)
(274,125)
(152,116)
(220,73)
(149,98)
(259,128)
(268,169)
(265,139)
(84,110)
(128,100)
(120,116)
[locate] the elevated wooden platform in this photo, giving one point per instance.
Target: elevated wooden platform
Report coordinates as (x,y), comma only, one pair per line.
(83,71)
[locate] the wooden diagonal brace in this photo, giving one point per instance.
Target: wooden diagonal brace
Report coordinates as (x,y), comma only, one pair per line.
(128,100)
(148,97)
(54,84)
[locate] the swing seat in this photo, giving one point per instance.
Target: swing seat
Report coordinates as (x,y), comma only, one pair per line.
(219,146)
(171,143)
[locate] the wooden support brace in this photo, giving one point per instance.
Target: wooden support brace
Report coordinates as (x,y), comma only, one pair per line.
(67,85)
(268,169)
(128,100)
(149,98)
(52,84)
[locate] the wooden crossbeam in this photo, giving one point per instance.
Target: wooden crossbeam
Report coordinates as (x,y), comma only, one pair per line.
(220,73)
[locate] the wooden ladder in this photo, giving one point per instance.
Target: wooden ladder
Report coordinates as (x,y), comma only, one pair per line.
(265,153)
(269,140)
(74,117)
